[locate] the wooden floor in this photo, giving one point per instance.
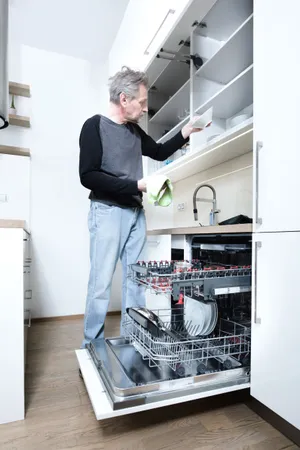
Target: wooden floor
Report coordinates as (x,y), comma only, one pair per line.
(59,414)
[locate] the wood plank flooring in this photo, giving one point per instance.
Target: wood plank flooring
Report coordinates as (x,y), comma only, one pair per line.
(59,414)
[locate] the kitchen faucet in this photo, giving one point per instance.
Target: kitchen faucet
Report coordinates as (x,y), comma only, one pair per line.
(214,211)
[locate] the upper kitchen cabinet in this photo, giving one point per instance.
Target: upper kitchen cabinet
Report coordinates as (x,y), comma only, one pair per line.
(213,69)
(149,26)
(276,115)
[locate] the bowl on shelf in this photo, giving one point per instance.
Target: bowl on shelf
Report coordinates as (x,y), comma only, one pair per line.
(238,119)
(212,137)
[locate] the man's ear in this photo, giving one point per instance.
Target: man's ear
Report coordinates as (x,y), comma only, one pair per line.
(123,99)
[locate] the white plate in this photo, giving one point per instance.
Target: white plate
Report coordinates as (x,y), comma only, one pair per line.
(199,317)
(205,119)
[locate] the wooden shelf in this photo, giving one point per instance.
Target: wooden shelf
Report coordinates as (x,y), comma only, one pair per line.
(233,143)
(233,98)
(240,44)
(23,90)
(19,121)
(18,151)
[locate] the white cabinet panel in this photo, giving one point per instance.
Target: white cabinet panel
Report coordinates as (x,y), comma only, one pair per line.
(143,30)
(275,368)
(276,114)
(14,187)
(11,325)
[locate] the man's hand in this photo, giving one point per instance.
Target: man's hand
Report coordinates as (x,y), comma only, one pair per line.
(188,129)
(142,185)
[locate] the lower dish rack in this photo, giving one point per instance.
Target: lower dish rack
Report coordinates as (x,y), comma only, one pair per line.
(227,348)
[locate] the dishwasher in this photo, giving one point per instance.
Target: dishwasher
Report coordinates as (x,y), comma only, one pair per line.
(200,343)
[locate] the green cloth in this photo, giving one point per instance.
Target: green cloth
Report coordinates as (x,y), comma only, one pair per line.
(159,190)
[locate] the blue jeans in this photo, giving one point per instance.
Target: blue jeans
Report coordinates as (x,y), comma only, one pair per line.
(114,233)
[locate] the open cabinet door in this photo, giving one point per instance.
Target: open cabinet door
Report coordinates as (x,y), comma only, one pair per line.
(275,366)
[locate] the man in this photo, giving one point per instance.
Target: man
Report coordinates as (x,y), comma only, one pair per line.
(111,150)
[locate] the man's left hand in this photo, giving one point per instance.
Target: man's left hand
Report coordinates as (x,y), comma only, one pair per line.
(188,129)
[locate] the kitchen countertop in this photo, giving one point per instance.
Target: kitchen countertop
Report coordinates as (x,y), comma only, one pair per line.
(240,228)
(13,223)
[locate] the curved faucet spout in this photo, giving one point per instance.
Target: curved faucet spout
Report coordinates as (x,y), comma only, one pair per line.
(213,201)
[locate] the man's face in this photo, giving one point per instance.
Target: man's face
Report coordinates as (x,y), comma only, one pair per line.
(134,109)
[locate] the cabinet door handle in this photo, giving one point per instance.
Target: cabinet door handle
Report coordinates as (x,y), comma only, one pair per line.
(28,324)
(256,319)
(258,148)
(28,294)
(171,11)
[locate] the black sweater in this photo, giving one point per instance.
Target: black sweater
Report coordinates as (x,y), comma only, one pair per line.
(107,186)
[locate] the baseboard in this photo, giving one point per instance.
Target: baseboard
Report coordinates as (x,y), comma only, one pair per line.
(71,317)
(276,421)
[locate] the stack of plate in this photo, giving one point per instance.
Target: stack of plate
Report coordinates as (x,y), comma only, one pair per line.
(200,318)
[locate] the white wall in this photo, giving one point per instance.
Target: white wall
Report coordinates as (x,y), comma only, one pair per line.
(65,91)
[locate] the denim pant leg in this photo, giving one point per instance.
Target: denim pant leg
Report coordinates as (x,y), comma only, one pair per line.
(105,244)
(133,250)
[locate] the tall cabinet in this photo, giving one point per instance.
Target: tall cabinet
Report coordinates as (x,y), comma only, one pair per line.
(275,371)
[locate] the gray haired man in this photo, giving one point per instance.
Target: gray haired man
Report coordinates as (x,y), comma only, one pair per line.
(110,166)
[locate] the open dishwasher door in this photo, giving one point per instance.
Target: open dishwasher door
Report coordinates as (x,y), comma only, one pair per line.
(122,377)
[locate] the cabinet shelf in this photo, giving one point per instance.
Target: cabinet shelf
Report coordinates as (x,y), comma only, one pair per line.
(215,69)
(22,90)
(235,142)
(240,44)
(18,151)
(225,17)
(19,121)
(174,130)
(168,113)
(233,97)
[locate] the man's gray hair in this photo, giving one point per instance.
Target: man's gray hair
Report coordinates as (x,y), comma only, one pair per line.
(127,81)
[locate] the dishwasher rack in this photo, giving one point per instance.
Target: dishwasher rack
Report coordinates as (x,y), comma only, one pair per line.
(227,348)
(165,278)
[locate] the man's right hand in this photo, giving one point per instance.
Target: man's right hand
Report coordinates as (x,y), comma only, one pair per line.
(142,185)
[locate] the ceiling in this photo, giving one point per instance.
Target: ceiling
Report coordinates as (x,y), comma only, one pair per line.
(81,28)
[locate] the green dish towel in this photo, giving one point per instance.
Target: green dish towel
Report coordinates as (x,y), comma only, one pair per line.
(159,190)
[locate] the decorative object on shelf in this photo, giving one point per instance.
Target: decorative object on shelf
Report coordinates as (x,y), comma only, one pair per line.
(151,112)
(13,109)
(183,114)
